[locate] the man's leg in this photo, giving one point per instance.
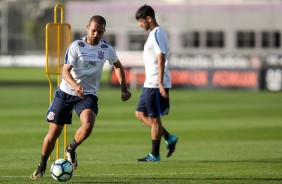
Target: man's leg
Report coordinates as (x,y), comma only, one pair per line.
(170,139)
(156,134)
(49,143)
(145,119)
(87,119)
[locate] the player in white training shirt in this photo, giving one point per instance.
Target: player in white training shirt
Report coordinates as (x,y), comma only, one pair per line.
(154,100)
(87,65)
(81,75)
(157,43)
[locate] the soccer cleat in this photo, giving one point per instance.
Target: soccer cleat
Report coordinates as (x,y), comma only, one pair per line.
(72,157)
(38,173)
(149,158)
(170,144)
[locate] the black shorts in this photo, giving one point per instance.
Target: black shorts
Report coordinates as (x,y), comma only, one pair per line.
(152,103)
(60,111)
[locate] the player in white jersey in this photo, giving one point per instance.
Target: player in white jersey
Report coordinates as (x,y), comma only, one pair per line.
(154,100)
(81,75)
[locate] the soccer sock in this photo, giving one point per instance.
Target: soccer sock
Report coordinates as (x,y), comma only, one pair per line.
(43,162)
(165,134)
(156,147)
(73,145)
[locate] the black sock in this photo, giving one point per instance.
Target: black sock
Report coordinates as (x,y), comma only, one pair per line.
(165,134)
(156,147)
(43,162)
(73,145)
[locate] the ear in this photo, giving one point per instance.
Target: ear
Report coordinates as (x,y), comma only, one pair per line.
(87,26)
(149,19)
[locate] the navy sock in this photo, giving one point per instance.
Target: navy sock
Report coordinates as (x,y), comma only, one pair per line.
(165,134)
(73,145)
(43,162)
(156,147)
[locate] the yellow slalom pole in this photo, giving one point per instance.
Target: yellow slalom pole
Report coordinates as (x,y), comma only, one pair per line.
(65,140)
(58,74)
(55,67)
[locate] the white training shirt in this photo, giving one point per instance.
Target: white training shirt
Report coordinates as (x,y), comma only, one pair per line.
(156,43)
(87,61)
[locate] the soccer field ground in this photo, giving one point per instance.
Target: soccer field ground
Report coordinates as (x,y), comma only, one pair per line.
(224,137)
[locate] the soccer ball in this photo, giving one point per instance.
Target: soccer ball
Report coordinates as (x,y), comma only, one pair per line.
(61,170)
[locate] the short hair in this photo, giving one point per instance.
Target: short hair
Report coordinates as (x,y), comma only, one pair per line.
(144,11)
(98,19)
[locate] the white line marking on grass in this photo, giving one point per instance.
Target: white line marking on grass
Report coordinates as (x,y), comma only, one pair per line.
(140,174)
(14,176)
(119,174)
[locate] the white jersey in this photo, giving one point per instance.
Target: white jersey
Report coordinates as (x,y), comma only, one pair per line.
(156,43)
(87,62)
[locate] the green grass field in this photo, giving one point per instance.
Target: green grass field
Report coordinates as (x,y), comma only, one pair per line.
(226,137)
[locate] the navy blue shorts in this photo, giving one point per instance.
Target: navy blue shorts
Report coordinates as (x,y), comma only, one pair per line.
(60,111)
(152,103)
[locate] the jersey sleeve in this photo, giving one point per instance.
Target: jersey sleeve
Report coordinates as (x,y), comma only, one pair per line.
(159,42)
(71,54)
(112,55)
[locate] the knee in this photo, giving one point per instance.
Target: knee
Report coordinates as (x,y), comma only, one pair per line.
(52,136)
(54,133)
(156,121)
(87,119)
(139,115)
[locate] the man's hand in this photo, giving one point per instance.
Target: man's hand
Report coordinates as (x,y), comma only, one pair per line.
(125,95)
(163,92)
(79,90)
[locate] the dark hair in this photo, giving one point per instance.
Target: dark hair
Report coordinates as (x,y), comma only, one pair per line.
(144,11)
(98,19)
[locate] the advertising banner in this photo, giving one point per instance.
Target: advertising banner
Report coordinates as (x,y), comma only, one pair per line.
(205,72)
(272,73)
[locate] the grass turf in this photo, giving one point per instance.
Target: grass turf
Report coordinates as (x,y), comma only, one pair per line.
(225,137)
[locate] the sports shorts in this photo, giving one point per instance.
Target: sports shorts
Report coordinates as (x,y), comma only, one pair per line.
(60,110)
(152,103)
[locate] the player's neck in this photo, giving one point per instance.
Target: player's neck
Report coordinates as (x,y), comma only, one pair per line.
(89,42)
(153,26)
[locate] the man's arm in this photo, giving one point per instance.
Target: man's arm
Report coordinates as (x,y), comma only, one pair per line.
(125,94)
(161,65)
(69,79)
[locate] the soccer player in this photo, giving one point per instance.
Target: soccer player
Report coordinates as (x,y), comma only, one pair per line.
(81,76)
(154,100)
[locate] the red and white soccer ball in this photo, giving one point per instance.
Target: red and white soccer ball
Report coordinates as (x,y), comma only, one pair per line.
(61,170)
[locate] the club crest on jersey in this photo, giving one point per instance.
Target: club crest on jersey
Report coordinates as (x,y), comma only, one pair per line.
(101,55)
(81,44)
